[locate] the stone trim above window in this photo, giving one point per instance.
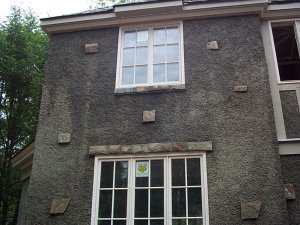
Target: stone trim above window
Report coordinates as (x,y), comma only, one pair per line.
(150,148)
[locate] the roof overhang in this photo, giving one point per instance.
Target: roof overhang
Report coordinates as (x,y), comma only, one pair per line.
(23,159)
(151,12)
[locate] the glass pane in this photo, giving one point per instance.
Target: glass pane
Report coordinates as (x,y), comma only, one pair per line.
(141,74)
(178,202)
(120,204)
(159,54)
(142,55)
(157,203)
(104,222)
(172,53)
(141,222)
(119,222)
(195,201)
(128,75)
(128,56)
(159,73)
(105,201)
(193,172)
(196,222)
(179,222)
(142,38)
(129,39)
(159,36)
(156,222)
(141,203)
(107,169)
(121,174)
(173,71)
(142,173)
(178,176)
(157,173)
(172,35)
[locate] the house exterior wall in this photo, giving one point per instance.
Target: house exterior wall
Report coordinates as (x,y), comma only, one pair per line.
(78,97)
(291,168)
(23,200)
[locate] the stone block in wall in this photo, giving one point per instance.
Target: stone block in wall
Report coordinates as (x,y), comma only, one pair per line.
(91,48)
(149,116)
(63,138)
(250,210)
(243,88)
(289,192)
(213,45)
(59,205)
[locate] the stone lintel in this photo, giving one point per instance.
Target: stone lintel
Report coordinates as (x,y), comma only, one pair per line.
(146,89)
(150,148)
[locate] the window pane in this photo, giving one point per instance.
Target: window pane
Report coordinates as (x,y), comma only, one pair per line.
(178,175)
(195,201)
(142,38)
(105,201)
(119,222)
(121,174)
(173,71)
(120,204)
(159,73)
(107,169)
(141,222)
(128,75)
(179,222)
(172,53)
(156,222)
(129,39)
(172,35)
(196,222)
(159,36)
(193,172)
(128,56)
(141,74)
(178,202)
(159,54)
(142,173)
(157,203)
(141,203)
(157,173)
(104,222)
(142,55)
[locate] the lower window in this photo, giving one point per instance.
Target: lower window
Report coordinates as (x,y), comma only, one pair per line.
(150,191)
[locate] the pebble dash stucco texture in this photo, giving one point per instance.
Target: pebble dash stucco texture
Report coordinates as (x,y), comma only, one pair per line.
(78,97)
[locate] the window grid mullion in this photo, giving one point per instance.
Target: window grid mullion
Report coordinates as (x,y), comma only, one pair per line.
(149,189)
(113,193)
(186,191)
(150,55)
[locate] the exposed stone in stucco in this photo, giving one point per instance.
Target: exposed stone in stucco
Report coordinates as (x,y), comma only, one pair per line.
(250,210)
(59,205)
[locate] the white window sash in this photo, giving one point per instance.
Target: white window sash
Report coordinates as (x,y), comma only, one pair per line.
(297,33)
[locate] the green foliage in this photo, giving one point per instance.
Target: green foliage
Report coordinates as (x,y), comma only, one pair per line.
(23,49)
(106,3)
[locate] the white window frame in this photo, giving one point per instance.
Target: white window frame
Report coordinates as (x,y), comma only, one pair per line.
(150,27)
(167,183)
(296,24)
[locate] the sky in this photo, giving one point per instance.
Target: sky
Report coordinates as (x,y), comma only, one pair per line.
(45,8)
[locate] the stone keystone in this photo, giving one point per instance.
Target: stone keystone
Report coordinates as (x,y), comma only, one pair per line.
(59,205)
(250,210)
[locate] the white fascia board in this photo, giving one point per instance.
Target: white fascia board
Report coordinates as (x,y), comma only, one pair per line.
(224,4)
(127,9)
(95,21)
(284,6)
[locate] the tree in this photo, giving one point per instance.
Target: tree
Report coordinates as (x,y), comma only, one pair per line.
(23,49)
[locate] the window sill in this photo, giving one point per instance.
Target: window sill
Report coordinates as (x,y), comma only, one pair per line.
(150,89)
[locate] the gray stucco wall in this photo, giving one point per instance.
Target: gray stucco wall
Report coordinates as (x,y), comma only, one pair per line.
(291,113)
(23,200)
(78,97)
(291,168)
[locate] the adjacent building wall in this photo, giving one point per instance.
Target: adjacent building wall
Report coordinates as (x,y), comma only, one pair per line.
(23,200)
(78,97)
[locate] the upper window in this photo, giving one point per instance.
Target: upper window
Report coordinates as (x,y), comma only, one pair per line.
(150,191)
(286,41)
(150,56)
